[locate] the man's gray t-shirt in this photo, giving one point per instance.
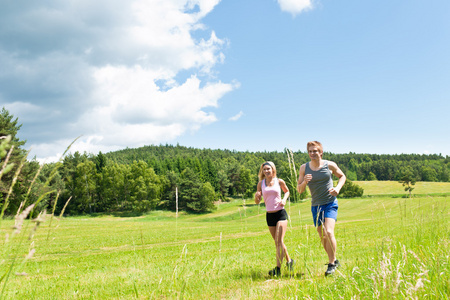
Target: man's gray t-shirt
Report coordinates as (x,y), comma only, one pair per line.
(321,182)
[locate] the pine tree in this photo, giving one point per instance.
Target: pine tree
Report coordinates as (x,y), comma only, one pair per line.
(9,127)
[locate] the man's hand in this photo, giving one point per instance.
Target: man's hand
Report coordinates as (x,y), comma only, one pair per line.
(333,192)
(307,178)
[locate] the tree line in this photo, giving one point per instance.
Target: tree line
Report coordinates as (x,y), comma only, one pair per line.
(155,177)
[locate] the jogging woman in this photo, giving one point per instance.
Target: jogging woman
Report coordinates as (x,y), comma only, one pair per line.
(269,187)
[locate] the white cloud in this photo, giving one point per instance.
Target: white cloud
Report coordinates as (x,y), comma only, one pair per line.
(295,6)
(109,71)
(236,117)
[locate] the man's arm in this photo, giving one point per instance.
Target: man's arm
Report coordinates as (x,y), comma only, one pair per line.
(339,174)
(301,183)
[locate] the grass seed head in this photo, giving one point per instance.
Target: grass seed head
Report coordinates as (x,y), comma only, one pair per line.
(20,218)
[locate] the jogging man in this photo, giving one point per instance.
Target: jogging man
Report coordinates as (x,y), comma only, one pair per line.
(317,174)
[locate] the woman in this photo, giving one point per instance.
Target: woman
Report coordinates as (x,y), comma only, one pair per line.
(269,187)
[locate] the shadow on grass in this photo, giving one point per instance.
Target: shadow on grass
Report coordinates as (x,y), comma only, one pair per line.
(119,214)
(250,205)
(127,214)
(263,276)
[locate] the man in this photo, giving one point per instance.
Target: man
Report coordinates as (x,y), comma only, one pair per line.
(317,175)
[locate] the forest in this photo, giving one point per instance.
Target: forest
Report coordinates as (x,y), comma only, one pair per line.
(162,176)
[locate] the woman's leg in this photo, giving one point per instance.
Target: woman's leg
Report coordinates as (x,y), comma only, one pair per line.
(278,232)
(274,233)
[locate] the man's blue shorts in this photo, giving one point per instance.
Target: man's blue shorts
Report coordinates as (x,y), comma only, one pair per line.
(321,212)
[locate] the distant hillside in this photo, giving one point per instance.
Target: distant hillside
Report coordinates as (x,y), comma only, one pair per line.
(357,166)
(192,180)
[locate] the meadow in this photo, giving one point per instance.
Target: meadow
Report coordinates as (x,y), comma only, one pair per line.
(389,248)
(393,188)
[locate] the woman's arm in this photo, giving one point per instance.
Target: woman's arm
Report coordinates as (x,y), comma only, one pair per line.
(285,189)
(258,194)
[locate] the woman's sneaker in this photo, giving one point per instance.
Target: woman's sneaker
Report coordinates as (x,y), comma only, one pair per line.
(275,271)
(290,264)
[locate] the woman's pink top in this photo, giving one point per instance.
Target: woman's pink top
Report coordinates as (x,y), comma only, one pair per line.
(272,195)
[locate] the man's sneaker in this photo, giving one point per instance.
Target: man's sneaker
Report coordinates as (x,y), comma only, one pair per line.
(290,264)
(337,264)
(330,270)
(275,271)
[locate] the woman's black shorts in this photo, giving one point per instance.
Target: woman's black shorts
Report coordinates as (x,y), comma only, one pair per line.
(273,218)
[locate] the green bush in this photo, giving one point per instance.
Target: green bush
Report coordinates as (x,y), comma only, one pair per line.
(351,190)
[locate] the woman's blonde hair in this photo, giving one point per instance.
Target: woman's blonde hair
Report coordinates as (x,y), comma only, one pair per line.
(261,174)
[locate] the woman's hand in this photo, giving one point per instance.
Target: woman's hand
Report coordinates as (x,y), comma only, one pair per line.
(258,197)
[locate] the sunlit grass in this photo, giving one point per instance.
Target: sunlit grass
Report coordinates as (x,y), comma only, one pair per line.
(393,187)
(388,247)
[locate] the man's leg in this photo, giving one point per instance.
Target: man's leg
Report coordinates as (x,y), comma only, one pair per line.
(326,233)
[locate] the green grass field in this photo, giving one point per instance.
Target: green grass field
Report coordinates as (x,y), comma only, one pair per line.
(395,188)
(388,247)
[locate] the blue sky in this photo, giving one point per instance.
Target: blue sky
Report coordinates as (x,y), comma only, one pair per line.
(359,76)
